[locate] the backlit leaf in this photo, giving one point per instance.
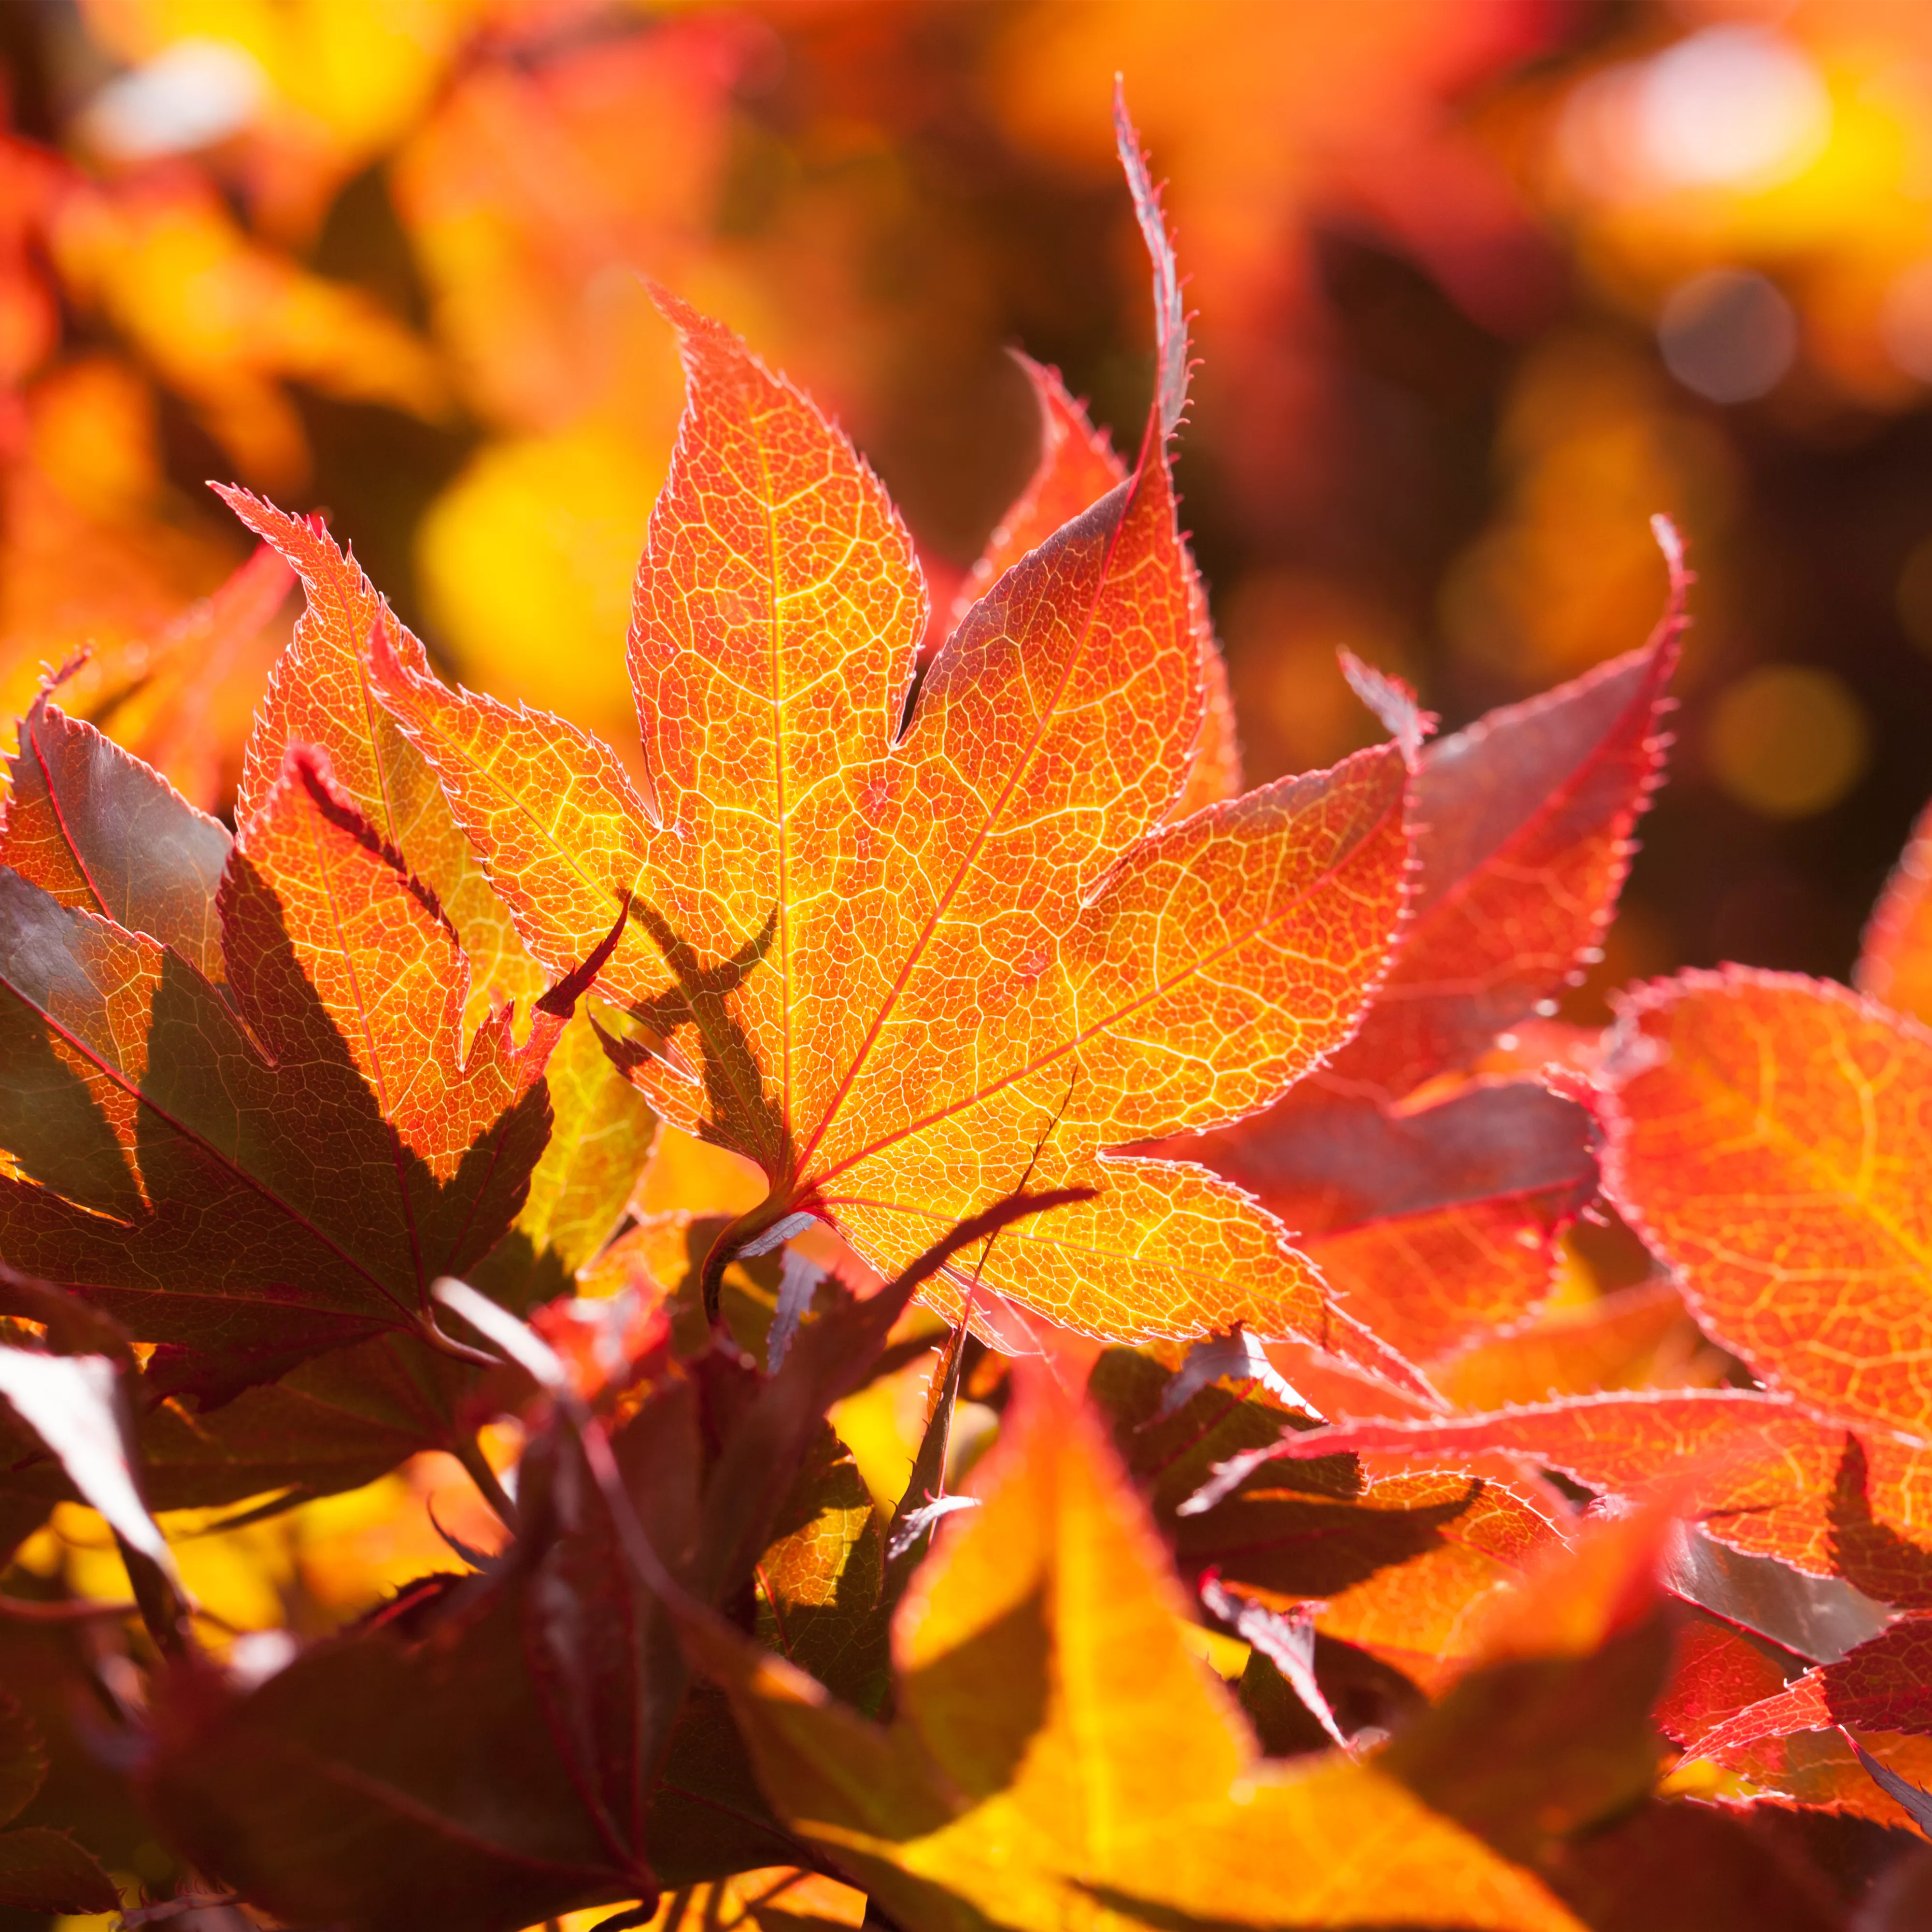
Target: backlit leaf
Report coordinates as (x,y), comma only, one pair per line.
(820,1578)
(1060,1757)
(902,962)
(92,825)
(1884,1685)
(1549,1731)
(1761,1475)
(1525,822)
(74,1405)
(1077,467)
(319,694)
(1716,1671)
(255,1172)
(1637,1337)
(1895,962)
(1433,1226)
(1392,1560)
(1767,1138)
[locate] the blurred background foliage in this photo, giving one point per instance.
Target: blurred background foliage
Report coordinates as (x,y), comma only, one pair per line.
(1480,287)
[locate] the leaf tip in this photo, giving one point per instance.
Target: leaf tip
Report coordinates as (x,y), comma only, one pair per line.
(1170,314)
(1392,701)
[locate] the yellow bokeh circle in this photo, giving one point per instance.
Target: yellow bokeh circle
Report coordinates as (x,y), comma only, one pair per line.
(1788,740)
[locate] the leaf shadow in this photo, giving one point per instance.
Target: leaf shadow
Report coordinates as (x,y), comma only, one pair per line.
(1869,1555)
(748,1121)
(275,1213)
(1294,1546)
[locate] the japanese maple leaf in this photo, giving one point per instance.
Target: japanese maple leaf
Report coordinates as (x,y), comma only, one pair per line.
(1762,1476)
(1057,1757)
(245,1123)
(319,694)
(1885,1684)
(1436,1223)
(1766,1135)
(1077,467)
(905,945)
(1895,961)
(1386,1559)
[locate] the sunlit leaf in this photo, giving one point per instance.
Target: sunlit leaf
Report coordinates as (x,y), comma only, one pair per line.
(1433,1226)
(1526,822)
(1762,1475)
(158,1122)
(1764,1138)
(1637,1337)
(1059,1753)
(1895,962)
(902,963)
(1881,1686)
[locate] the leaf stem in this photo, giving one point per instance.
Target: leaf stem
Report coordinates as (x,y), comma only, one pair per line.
(469,1451)
(65,1610)
(447,1345)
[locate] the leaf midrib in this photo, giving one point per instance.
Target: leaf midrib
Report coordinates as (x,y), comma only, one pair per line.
(1049,714)
(1159,990)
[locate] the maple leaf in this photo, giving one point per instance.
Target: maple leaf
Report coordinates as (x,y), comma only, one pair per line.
(1059,1757)
(1630,1338)
(1752,1705)
(254,1152)
(319,694)
(154,693)
(470,1757)
(1547,1732)
(1524,836)
(1391,1560)
(1765,1137)
(1763,1476)
(82,812)
(1434,1225)
(482,1753)
(917,958)
(1895,961)
(820,1579)
(1718,1670)
(41,1870)
(1437,1223)
(1077,467)
(1883,1685)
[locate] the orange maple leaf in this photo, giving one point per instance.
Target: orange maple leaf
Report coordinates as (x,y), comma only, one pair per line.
(904,944)
(1767,1136)
(1895,962)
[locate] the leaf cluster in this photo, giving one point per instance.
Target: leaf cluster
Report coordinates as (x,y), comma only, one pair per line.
(1357,1546)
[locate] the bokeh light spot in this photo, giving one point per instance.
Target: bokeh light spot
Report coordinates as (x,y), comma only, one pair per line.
(1905,321)
(1914,594)
(196,92)
(1788,740)
(1727,334)
(1732,106)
